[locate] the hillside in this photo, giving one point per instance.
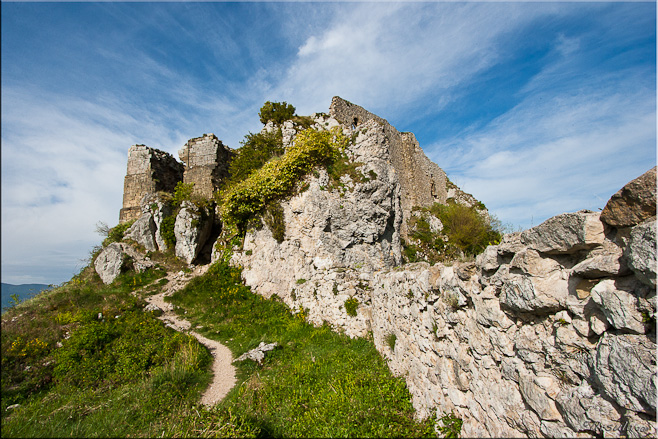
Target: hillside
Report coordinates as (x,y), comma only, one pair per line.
(23,291)
(395,305)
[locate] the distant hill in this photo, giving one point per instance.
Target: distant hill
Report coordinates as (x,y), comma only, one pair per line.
(24,291)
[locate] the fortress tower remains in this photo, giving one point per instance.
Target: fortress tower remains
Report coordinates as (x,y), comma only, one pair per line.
(422,182)
(149,170)
(206,161)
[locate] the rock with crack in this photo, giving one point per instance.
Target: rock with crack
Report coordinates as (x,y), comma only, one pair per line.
(258,353)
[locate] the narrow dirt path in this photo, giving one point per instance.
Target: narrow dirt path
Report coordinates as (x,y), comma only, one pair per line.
(222,368)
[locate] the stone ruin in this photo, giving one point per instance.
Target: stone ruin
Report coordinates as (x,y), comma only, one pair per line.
(206,162)
(150,170)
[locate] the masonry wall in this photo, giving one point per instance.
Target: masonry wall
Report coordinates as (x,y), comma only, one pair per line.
(149,170)
(206,161)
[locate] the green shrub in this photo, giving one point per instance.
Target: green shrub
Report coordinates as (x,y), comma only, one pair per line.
(451,426)
(351,305)
(256,150)
(279,176)
(167,230)
(277,112)
(465,227)
(115,234)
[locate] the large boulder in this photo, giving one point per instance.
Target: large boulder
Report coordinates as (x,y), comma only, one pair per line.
(618,305)
(143,232)
(192,229)
(641,252)
(109,262)
(633,203)
(566,233)
(118,257)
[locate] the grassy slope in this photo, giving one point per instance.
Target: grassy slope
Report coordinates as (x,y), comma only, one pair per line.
(131,376)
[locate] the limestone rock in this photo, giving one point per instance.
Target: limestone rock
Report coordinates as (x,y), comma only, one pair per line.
(633,203)
(257,354)
(535,394)
(143,232)
(641,252)
(619,306)
(526,294)
(566,233)
(584,410)
(110,262)
(625,366)
(192,229)
(159,210)
(604,261)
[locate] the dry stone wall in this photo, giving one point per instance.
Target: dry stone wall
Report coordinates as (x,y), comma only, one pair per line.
(551,333)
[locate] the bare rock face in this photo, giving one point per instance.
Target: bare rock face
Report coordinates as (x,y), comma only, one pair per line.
(118,257)
(641,252)
(143,232)
(566,233)
(192,229)
(158,209)
(634,203)
(109,262)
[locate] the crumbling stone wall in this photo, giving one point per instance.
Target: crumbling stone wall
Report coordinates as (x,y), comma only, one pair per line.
(206,161)
(149,170)
(422,182)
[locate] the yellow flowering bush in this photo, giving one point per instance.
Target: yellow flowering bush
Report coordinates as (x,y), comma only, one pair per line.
(278,176)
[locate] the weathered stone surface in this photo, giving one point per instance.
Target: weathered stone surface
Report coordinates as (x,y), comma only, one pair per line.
(641,252)
(109,262)
(619,306)
(633,203)
(528,294)
(257,354)
(421,181)
(159,210)
(143,232)
(535,394)
(625,366)
(566,233)
(604,261)
(584,410)
(149,170)
(192,229)
(206,161)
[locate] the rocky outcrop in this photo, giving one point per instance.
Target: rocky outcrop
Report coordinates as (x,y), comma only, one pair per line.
(421,181)
(117,258)
(192,229)
(527,340)
(634,203)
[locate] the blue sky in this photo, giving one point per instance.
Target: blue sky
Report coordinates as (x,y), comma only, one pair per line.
(534,108)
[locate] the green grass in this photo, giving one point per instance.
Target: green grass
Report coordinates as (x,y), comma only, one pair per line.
(131,376)
(319,383)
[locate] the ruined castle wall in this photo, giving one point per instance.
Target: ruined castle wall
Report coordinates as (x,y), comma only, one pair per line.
(422,182)
(149,170)
(206,161)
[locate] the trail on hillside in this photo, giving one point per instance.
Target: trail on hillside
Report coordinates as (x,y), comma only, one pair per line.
(222,368)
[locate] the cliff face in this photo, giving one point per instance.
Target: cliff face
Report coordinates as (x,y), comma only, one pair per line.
(549,333)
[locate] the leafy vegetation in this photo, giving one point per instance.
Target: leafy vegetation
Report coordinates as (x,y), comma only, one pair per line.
(277,112)
(450,426)
(351,305)
(318,384)
(465,233)
(278,177)
(256,150)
